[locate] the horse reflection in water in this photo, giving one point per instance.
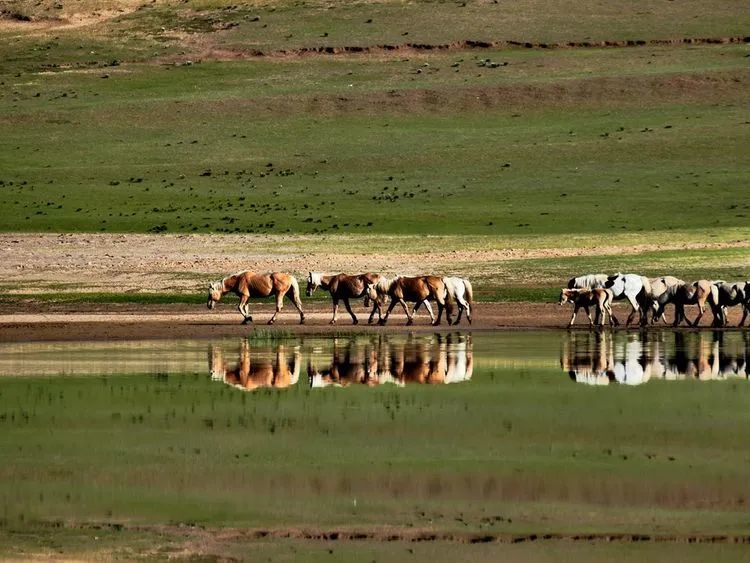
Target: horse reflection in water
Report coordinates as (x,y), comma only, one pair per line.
(632,359)
(435,359)
(260,367)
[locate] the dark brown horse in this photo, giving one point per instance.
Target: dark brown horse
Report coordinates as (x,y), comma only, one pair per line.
(342,288)
(247,285)
(416,290)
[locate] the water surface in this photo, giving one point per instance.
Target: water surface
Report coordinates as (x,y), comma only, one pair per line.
(596,357)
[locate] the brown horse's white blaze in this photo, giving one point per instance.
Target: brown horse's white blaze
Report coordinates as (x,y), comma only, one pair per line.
(415,290)
(345,287)
(248,284)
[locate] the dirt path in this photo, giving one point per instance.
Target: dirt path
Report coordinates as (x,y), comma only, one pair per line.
(122,263)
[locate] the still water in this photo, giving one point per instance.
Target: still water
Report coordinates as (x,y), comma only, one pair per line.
(593,358)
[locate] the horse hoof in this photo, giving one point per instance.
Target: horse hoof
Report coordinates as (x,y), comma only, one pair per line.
(333,322)
(409,322)
(381,322)
(270,322)
(247,320)
(356,322)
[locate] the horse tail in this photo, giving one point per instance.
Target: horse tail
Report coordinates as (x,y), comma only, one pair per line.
(715,295)
(469,292)
(295,289)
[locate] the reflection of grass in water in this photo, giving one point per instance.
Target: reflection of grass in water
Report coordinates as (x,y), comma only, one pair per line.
(260,335)
(529,445)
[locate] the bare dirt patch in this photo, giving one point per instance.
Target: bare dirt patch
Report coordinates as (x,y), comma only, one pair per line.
(127,263)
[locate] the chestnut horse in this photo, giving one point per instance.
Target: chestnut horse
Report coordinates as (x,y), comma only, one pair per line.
(342,288)
(416,290)
(247,284)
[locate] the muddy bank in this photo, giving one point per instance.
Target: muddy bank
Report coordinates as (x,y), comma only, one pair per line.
(70,322)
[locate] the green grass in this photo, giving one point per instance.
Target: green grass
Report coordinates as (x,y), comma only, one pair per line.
(555,143)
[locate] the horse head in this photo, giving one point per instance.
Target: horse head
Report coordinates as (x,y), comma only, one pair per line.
(215,291)
(371,293)
(313,282)
(566,296)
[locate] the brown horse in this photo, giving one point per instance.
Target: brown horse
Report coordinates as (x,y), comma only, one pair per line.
(344,287)
(416,290)
(247,284)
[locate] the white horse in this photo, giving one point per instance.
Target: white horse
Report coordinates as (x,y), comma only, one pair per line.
(636,289)
(460,290)
(591,281)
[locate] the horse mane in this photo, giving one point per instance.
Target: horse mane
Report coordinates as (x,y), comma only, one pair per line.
(383,285)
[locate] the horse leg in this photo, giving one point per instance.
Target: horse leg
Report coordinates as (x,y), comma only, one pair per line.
(458,317)
(573,317)
(745,311)
(441,307)
(279,306)
(410,318)
(701,311)
(355,320)
(636,307)
(335,310)
(297,302)
(462,304)
(244,309)
(588,314)
(375,306)
(384,319)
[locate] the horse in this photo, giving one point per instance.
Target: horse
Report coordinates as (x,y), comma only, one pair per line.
(659,286)
(599,297)
(696,293)
(247,284)
(746,302)
(460,291)
(415,289)
(635,289)
(729,295)
(591,281)
(344,287)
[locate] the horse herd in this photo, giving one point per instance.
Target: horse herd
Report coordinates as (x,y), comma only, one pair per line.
(646,296)
(376,289)
(652,295)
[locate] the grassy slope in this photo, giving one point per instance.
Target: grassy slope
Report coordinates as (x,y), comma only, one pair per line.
(534,147)
(435,142)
